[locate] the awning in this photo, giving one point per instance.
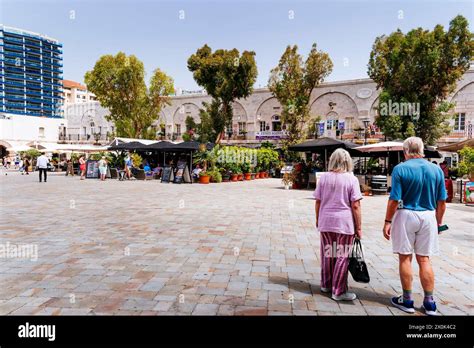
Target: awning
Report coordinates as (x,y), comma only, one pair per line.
(317,145)
(119,140)
(384,146)
(457,146)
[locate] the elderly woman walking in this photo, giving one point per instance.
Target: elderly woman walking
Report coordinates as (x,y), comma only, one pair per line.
(338,218)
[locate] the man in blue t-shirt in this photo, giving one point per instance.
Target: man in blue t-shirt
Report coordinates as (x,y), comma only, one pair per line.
(415,210)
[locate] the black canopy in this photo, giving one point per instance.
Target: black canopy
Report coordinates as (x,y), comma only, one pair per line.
(133,145)
(320,144)
(162,145)
(189,146)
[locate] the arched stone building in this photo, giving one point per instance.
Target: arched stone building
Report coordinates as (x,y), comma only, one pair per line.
(341,106)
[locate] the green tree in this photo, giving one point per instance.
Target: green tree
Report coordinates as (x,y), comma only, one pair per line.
(421,69)
(226,75)
(119,84)
(292,82)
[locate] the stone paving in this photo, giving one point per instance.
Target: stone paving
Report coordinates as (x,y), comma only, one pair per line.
(147,248)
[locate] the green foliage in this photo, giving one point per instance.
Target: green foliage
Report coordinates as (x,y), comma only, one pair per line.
(98,156)
(466,165)
(137,160)
(117,159)
(226,75)
(190,123)
(31,154)
(119,84)
(215,175)
(420,67)
(292,82)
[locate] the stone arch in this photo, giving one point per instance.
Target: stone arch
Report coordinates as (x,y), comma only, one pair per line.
(178,122)
(239,115)
(462,99)
(266,111)
(462,90)
(335,104)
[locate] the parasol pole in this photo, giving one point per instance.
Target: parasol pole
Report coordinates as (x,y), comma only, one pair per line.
(325,159)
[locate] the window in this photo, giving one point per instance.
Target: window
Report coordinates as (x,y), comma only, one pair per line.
(262,126)
(460,122)
(242,127)
(41,132)
(348,124)
(178,129)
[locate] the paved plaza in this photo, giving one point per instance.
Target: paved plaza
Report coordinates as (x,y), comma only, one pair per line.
(246,248)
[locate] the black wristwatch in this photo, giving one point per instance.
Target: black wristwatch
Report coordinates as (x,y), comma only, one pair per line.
(388,221)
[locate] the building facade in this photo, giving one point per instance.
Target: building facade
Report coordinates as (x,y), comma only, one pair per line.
(30,87)
(86,123)
(74,92)
(338,109)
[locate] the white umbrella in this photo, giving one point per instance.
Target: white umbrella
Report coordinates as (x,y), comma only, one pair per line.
(19,148)
(383,146)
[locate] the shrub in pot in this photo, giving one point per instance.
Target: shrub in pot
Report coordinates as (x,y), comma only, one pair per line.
(204,177)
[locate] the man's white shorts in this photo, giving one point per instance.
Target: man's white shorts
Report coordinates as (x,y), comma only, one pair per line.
(415,231)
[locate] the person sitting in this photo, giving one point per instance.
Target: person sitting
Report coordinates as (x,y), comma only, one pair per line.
(196,172)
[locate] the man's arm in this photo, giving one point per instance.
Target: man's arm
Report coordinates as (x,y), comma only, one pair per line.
(440,209)
(392,206)
(317,204)
(357,214)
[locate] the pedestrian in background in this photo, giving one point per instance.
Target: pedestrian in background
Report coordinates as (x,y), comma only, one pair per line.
(82,167)
(42,163)
(103,168)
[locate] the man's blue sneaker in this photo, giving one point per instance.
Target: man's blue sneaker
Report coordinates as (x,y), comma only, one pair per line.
(430,308)
(405,305)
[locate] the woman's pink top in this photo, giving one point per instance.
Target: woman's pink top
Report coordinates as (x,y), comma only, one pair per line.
(337,191)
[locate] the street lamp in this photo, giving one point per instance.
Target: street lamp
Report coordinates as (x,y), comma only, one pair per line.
(366,123)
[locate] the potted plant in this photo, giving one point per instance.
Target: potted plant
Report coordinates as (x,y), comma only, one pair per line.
(225,174)
(466,165)
(246,171)
(366,189)
(204,177)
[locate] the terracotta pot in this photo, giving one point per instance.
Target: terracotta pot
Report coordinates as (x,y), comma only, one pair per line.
(204,179)
(248,176)
(234,177)
(295,186)
(257,175)
(262,175)
(225,178)
(240,177)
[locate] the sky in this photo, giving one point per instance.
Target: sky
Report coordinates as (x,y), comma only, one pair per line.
(163,34)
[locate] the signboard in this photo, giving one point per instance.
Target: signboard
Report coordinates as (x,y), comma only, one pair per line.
(166,175)
(271,135)
(469,193)
(92,169)
(321,128)
(181,168)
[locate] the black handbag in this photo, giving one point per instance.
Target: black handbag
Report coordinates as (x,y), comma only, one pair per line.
(357,265)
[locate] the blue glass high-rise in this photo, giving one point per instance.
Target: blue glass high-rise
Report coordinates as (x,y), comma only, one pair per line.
(30,73)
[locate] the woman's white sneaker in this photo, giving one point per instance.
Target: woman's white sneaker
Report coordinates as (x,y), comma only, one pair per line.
(347,296)
(326,290)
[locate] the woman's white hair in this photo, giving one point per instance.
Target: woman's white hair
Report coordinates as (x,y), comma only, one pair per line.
(413,146)
(340,161)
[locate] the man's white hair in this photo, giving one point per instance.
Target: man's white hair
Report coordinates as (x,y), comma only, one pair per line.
(413,146)
(340,161)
